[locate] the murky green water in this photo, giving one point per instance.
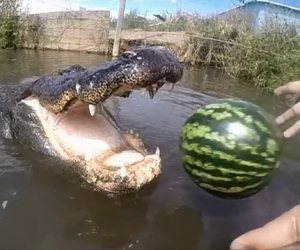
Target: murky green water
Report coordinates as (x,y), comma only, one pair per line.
(42,209)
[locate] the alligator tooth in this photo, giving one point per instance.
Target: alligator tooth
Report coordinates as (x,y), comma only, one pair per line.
(78,87)
(172,87)
(129,54)
(157,151)
(157,86)
(143,92)
(92,109)
(150,91)
(91,84)
(122,172)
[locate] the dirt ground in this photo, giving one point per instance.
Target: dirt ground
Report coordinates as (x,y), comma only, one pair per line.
(176,38)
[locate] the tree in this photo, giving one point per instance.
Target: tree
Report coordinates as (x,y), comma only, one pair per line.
(9,22)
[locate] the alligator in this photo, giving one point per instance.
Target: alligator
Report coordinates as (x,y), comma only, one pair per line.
(63,115)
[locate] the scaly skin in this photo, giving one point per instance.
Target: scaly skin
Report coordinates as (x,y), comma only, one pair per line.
(136,68)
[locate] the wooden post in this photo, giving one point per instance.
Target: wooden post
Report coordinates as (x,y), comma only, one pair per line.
(116,46)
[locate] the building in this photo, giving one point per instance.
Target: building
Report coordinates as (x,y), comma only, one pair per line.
(262,10)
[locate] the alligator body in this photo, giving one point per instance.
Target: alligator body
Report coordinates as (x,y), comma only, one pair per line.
(62,115)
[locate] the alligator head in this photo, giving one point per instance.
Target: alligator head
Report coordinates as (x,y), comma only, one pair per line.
(70,121)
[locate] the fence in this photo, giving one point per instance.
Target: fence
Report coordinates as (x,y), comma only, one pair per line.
(72,30)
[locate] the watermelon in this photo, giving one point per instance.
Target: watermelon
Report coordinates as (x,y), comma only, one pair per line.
(230,148)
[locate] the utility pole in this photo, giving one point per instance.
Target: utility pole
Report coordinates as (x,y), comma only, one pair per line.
(116,46)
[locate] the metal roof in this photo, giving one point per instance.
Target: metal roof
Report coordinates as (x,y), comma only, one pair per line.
(262,1)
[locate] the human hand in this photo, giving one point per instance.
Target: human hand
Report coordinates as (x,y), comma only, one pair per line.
(281,232)
(289,88)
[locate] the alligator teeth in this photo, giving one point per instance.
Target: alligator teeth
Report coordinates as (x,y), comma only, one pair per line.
(150,90)
(143,92)
(129,53)
(122,172)
(172,87)
(78,87)
(157,151)
(92,109)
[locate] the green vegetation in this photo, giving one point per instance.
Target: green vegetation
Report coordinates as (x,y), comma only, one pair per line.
(267,58)
(9,23)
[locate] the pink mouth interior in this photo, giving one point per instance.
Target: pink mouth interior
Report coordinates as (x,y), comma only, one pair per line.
(86,136)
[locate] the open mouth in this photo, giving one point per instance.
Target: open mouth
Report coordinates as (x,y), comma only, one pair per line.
(70,108)
(109,159)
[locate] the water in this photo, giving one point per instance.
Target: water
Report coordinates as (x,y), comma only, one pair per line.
(42,209)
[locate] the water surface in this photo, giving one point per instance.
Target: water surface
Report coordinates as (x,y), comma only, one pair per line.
(40,208)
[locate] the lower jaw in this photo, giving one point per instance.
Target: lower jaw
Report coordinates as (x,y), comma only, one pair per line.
(115,181)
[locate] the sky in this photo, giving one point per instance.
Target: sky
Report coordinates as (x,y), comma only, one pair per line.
(145,7)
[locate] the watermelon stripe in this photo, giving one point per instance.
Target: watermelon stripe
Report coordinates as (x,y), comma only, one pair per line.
(203,174)
(194,131)
(225,164)
(258,117)
(209,167)
(241,155)
(206,150)
(222,181)
(219,180)
(230,190)
(192,134)
(255,118)
(251,129)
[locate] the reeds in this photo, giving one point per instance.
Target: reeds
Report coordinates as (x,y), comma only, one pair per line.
(267,57)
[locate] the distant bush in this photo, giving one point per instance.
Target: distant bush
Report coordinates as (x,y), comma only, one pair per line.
(9,23)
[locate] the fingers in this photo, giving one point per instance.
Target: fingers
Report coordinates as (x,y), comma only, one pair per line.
(282,231)
(289,88)
(292,130)
(289,114)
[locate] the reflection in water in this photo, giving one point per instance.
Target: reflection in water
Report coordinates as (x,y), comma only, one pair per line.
(42,209)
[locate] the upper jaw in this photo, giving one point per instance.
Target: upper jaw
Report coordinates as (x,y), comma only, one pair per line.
(134,69)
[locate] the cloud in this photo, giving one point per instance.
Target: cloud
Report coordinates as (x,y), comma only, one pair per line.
(43,6)
(173,1)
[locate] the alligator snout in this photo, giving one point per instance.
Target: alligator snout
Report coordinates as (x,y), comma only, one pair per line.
(139,68)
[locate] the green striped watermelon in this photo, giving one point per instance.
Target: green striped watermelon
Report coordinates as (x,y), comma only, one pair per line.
(229,148)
